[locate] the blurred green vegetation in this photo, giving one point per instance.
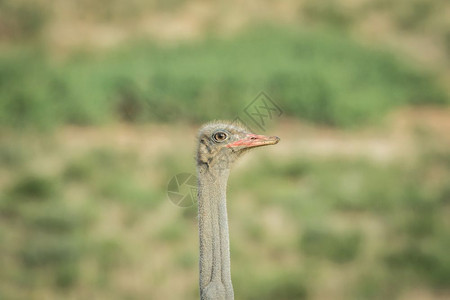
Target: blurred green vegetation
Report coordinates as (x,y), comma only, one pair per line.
(409,208)
(94,222)
(22,20)
(322,77)
(47,236)
(386,224)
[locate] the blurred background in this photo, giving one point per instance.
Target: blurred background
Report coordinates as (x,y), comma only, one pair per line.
(99,106)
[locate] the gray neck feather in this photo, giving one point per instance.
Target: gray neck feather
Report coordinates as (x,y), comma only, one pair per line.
(215,275)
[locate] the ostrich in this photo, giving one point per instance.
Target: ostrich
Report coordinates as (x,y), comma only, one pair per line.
(219,145)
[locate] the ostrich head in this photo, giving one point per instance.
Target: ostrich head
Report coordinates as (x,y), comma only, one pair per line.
(221,143)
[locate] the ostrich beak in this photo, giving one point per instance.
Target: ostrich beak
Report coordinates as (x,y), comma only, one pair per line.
(254,140)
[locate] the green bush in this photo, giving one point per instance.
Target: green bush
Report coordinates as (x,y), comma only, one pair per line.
(338,247)
(54,218)
(283,288)
(40,251)
(273,285)
(328,12)
(21,20)
(430,263)
(316,76)
(33,187)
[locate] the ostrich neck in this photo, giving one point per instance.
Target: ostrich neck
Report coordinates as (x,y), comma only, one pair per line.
(215,275)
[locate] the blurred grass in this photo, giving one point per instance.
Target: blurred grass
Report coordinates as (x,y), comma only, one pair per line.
(97,224)
(404,201)
(95,219)
(22,20)
(318,76)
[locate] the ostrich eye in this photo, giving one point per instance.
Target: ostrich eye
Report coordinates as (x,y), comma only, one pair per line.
(220,136)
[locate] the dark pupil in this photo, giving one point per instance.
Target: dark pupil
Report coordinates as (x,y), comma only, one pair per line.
(220,136)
